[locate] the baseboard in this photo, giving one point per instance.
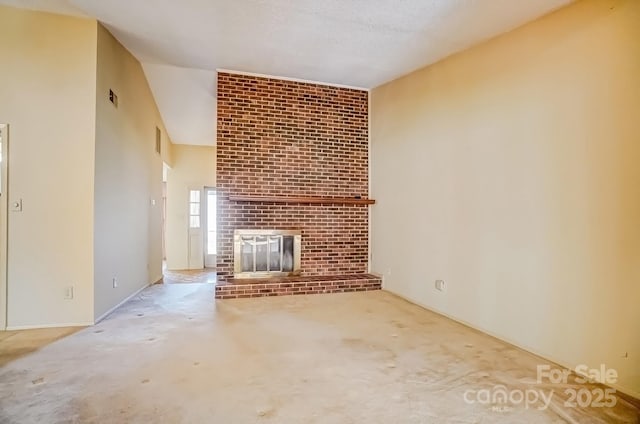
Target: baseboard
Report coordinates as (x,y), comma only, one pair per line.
(125,300)
(635,397)
(61,325)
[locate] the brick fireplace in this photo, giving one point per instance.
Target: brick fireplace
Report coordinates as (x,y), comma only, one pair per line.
(294,156)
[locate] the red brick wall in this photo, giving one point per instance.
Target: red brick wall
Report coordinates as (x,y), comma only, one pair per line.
(288,138)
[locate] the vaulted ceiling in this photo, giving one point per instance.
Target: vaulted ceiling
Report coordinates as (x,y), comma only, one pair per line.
(358,43)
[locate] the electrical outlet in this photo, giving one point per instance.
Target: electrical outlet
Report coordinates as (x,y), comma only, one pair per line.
(115,282)
(68,293)
(440,285)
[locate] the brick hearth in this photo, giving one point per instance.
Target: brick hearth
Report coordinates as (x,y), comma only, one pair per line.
(235,288)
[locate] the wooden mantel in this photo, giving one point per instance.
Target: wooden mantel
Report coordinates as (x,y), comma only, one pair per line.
(314,200)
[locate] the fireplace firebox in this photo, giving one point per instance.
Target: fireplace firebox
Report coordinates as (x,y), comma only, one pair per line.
(266,253)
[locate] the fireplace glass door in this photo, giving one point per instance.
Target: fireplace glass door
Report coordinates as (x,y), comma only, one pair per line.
(263,253)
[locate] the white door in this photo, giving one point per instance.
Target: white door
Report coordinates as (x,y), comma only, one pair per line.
(4,209)
(195,238)
(210,222)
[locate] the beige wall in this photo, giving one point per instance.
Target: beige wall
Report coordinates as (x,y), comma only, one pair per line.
(193,167)
(128,178)
(47,69)
(512,172)
(71,151)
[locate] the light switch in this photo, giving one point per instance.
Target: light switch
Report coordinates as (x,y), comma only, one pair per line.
(16,205)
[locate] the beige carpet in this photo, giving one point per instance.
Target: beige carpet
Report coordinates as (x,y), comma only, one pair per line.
(173,355)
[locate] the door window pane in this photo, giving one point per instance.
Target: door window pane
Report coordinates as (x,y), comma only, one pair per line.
(194,208)
(194,222)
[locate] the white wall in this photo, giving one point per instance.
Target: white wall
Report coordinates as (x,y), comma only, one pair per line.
(128,178)
(48,68)
(193,167)
(511,172)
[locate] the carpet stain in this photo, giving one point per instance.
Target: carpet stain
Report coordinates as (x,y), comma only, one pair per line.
(267,413)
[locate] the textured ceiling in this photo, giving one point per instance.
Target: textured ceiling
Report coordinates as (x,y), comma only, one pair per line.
(359,43)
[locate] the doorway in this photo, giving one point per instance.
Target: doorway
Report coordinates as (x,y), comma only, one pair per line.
(201,237)
(4,210)
(165,173)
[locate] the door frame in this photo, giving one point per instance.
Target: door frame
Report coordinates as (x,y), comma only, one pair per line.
(4,226)
(209,260)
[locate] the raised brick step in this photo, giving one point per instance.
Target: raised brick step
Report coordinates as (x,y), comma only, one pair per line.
(241,288)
